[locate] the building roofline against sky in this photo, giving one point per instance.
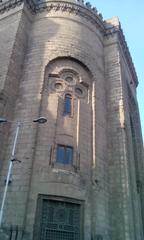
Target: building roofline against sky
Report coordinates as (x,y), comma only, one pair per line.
(108,27)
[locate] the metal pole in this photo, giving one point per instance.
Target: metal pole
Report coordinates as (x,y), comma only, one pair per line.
(9,172)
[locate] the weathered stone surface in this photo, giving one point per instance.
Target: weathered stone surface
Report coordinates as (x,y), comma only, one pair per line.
(40,46)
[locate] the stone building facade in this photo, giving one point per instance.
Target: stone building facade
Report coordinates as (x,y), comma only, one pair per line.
(81,173)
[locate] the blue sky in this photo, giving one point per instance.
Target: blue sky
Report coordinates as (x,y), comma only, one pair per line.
(131,16)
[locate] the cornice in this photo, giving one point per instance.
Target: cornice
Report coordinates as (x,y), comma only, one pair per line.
(128,55)
(90,14)
(117,29)
(84,11)
(8,5)
(80,10)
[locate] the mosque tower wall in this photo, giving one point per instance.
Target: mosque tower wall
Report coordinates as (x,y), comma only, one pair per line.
(75,179)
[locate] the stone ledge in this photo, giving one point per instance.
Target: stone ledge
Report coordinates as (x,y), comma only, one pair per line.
(63,6)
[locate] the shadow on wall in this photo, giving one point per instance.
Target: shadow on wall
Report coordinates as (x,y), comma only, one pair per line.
(26,109)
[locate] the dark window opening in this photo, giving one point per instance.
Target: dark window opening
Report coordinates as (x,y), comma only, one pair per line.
(58,86)
(58,219)
(78,91)
(68,104)
(64,154)
(69,79)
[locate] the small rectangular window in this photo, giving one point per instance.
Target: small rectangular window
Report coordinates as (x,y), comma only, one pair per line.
(68,104)
(64,154)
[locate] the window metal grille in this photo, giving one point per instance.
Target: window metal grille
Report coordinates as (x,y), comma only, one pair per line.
(60,220)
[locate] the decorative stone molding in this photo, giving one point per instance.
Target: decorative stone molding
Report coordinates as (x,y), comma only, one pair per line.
(80,10)
(59,84)
(90,14)
(7,5)
(117,29)
(127,55)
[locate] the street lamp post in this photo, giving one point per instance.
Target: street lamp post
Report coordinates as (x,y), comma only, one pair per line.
(40,120)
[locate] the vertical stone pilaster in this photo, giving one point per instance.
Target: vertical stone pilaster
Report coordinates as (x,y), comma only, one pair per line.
(120,196)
